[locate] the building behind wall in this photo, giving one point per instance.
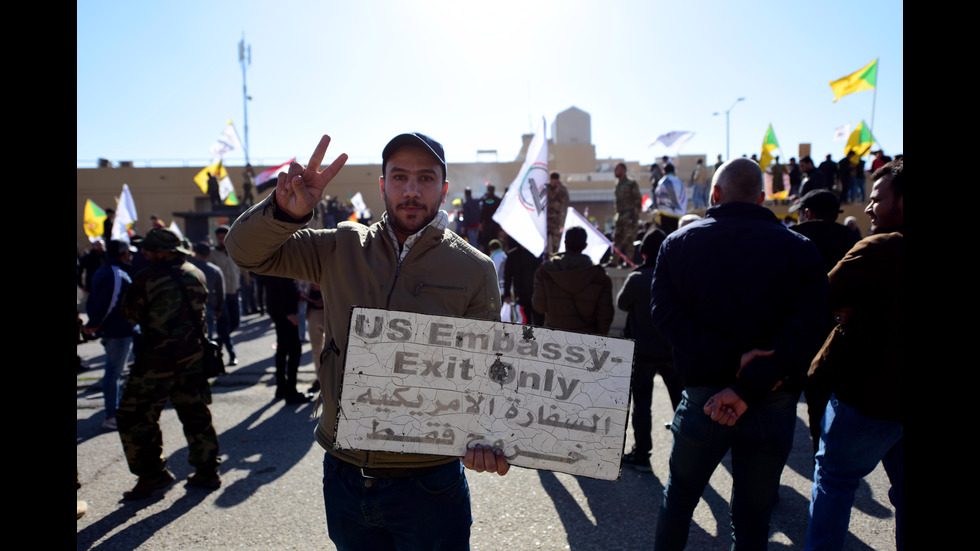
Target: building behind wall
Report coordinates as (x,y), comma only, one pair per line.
(164,191)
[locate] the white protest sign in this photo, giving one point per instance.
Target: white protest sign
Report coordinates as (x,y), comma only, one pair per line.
(415,383)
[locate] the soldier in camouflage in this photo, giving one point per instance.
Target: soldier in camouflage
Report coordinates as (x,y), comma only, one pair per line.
(628,205)
(169,364)
(557,208)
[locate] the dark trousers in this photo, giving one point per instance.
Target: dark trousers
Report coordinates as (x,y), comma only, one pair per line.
(642,389)
(288,352)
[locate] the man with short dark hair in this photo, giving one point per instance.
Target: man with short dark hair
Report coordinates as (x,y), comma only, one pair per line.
(471,217)
(215,280)
(829,169)
(231,313)
(777,170)
(845,174)
(653,353)
(105,319)
(795,177)
(628,205)
(742,301)
(489,228)
(863,364)
(408,261)
(573,293)
(813,178)
(167,301)
(557,208)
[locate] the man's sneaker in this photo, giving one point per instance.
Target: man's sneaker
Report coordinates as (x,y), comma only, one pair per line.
(205,477)
(110,424)
(145,486)
(639,462)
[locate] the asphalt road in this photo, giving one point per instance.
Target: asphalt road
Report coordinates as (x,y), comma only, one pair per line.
(271,496)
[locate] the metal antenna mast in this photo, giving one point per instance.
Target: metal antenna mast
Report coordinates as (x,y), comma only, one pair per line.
(245,58)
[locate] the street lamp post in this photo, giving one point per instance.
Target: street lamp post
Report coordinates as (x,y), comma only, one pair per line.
(728,155)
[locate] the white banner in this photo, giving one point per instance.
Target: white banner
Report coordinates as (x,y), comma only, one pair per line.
(523,210)
(673,140)
(226,143)
(358,202)
(596,243)
(553,400)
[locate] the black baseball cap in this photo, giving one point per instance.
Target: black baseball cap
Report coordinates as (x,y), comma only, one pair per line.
(822,201)
(416,139)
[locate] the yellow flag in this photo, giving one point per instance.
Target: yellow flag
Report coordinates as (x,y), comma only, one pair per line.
(94,219)
(864,78)
(217,169)
(769,144)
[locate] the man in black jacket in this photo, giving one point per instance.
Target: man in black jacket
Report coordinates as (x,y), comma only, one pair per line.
(742,300)
(283,304)
(653,353)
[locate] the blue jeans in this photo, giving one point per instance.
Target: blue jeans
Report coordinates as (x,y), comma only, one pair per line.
(116,354)
(429,512)
(760,442)
(851,445)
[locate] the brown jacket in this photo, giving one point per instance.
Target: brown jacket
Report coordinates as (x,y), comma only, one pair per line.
(574,294)
(357,265)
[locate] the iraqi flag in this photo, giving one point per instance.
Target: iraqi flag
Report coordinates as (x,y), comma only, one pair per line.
(267,178)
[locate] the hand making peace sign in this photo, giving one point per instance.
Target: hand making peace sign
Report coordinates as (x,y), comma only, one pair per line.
(299,190)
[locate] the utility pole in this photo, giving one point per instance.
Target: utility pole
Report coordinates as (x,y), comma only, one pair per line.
(245,58)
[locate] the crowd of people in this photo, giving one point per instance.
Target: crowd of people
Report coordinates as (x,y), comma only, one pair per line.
(739,314)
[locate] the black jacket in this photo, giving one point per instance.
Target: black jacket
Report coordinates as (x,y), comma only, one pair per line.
(736,281)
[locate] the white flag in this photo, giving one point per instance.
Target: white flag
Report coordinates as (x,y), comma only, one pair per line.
(358,202)
(673,140)
(125,215)
(225,188)
(841,134)
(523,212)
(227,142)
(596,244)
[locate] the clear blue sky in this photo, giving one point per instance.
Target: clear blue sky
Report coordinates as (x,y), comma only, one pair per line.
(158,81)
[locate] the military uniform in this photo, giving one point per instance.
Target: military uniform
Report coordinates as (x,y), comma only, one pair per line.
(557,208)
(777,178)
(169,364)
(628,205)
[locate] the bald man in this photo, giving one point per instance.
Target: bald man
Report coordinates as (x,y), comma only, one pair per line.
(742,301)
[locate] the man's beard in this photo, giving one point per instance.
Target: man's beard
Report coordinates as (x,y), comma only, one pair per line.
(422,219)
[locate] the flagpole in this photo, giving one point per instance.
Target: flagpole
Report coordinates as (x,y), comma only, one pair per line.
(623,256)
(875,98)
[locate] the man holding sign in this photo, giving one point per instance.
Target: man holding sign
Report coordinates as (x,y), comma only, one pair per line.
(409,261)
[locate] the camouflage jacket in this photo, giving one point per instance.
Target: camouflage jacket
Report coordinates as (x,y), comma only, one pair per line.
(171,333)
(628,196)
(557,205)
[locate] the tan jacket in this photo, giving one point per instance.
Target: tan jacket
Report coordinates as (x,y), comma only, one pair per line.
(357,265)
